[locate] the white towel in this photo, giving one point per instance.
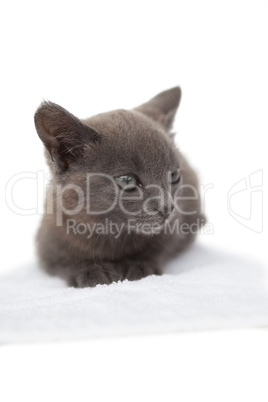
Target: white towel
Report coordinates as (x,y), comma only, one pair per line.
(201,289)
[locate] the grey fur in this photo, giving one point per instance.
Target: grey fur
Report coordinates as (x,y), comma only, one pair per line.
(116,143)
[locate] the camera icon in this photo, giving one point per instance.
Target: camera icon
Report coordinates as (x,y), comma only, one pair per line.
(245,201)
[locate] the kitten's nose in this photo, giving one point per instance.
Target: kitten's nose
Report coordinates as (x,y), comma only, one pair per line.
(166,211)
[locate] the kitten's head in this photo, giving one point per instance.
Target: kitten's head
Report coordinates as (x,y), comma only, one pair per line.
(119,165)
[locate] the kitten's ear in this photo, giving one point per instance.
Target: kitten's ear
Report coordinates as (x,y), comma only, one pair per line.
(163,107)
(63,134)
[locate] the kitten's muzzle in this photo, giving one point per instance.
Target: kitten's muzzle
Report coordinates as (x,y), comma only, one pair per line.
(166,212)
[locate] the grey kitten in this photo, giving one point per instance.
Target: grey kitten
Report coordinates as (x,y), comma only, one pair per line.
(122,199)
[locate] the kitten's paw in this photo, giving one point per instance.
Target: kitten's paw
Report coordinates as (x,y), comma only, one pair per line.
(109,272)
(103,274)
(138,270)
(88,279)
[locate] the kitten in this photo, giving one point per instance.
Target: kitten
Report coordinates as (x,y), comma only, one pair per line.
(122,199)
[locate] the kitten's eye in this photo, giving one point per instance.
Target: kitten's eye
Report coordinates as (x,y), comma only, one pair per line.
(126,182)
(174,177)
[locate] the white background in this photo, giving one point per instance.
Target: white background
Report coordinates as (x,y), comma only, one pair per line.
(92,57)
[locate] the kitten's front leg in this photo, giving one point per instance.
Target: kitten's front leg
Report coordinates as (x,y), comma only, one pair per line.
(108,272)
(138,269)
(95,274)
